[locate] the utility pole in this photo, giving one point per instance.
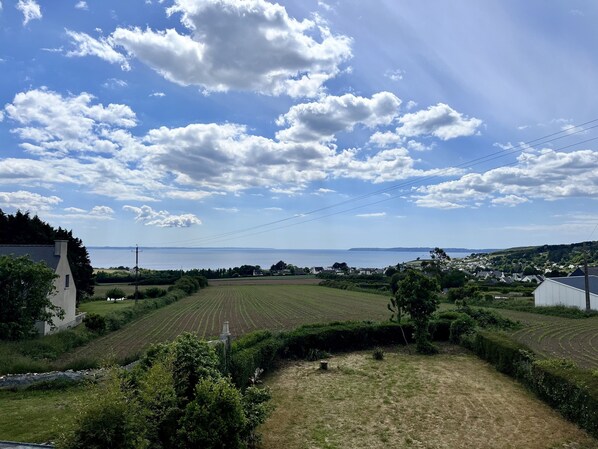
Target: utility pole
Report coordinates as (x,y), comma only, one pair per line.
(136,272)
(586,277)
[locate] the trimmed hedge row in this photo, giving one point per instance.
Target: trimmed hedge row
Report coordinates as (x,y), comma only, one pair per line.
(570,390)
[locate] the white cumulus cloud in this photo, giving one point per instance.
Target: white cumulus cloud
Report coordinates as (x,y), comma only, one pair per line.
(440,121)
(85,45)
(30,9)
(321,120)
(241,45)
(544,174)
(81,5)
(162,219)
(28,201)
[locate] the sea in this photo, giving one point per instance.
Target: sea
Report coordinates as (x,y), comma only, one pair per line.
(189,258)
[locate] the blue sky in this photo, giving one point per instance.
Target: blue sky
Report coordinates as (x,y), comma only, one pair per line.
(302,124)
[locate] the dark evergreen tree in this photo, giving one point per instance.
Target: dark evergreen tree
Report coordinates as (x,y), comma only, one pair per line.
(22,229)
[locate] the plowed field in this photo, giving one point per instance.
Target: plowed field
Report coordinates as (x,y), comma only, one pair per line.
(246,307)
(556,337)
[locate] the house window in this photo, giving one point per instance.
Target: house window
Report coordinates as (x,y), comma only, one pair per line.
(67,281)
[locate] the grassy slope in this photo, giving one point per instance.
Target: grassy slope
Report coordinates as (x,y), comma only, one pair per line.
(452,401)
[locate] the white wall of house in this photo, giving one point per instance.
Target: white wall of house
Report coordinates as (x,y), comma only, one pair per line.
(66,292)
(552,293)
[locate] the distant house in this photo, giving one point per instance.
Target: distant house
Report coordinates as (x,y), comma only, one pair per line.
(567,291)
(579,271)
(316,270)
(65,296)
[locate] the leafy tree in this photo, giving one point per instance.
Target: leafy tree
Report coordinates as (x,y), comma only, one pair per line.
(415,295)
(24,289)
(115,292)
(340,266)
(278,266)
(438,260)
(22,229)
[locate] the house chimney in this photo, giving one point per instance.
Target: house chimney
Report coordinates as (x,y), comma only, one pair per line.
(60,247)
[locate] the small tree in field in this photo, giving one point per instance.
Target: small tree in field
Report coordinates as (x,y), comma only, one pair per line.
(415,295)
(24,289)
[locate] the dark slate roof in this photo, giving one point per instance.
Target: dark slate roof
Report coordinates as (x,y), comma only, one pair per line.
(592,271)
(579,282)
(37,253)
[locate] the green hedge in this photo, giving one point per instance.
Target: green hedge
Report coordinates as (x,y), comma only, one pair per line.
(567,388)
(263,349)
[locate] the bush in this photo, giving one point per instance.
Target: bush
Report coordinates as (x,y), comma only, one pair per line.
(95,323)
(214,419)
(174,398)
(461,326)
(115,293)
(378,354)
(154,292)
(110,420)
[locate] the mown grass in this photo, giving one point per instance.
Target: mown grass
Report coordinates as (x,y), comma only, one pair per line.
(38,416)
(452,400)
(104,307)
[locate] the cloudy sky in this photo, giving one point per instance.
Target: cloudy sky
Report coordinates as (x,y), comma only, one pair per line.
(304,123)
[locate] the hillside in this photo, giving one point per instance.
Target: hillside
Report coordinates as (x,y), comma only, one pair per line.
(563,255)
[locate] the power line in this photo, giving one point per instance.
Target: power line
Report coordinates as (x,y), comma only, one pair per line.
(571,131)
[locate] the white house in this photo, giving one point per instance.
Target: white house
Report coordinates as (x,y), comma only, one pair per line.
(65,296)
(567,291)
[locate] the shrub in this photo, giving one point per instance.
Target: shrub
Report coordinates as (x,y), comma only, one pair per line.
(154,292)
(461,326)
(214,419)
(95,323)
(378,354)
(110,420)
(115,293)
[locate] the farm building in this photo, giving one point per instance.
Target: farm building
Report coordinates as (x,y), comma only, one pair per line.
(567,291)
(65,296)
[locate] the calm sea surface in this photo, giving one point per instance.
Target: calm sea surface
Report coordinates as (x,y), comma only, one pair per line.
(189,258)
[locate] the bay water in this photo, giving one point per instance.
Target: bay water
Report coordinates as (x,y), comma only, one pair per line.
(189,258)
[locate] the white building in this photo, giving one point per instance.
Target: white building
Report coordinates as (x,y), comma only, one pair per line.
(567,291)
(65,296)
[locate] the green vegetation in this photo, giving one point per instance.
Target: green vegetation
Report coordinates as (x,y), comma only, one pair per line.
(174,398)
(517,259)
(38,415)
(24,289)
(22,229)
(525,305)
(48,353)
(415,295)
(104,307)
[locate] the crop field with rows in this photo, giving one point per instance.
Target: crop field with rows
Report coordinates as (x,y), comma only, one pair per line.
(246,307)
(556,337)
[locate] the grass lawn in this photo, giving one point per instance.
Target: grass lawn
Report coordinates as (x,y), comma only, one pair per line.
(37,416)
(105,307)
(452,400)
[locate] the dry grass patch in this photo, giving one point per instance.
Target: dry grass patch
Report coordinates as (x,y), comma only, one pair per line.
(449,401)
